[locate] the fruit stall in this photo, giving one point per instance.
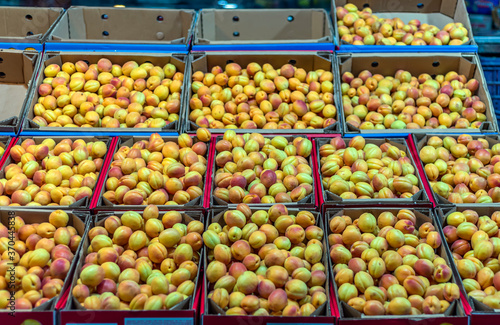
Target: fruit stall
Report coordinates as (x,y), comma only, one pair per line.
(257,166)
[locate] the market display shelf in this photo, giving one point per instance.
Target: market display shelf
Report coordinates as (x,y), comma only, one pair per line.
(313,47)
(103,133)
(100,47)
(22,46)
(407,49)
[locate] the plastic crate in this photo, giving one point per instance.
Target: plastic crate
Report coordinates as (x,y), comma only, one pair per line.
(491,68)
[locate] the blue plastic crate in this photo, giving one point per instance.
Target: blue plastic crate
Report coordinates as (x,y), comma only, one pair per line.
(491,68)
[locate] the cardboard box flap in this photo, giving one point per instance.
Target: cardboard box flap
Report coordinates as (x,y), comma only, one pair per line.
(479,306)
(143,25)
(262,25)
(416,64)
(26,22)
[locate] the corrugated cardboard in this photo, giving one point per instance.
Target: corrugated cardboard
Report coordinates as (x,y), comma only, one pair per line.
(479,310)
(74,312)
(26,24)
(123,25)
(160,59)
(453,315)
(45,312)
(217,203)
(433,64)
(262,26)
(80,204)
(105,205)
(205,61)
(433,12)
(420,199)
(215,315)
(421,141)
(16,71)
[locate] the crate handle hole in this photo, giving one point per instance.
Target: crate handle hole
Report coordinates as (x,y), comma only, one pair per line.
(292,62)
(290,18)
(420,5)
(105,33)
(2,75)
(236,18)
(159,18)
(29,33)
(236,34)
(1,60)
(104,16)
(436,64)
(374,64)
(366,5)
(86,61)
(229,61)
(28,17)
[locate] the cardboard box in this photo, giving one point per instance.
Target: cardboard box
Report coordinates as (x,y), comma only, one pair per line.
(433,64)
(105,205)
(205,61)
(45,313)
(182,313)
(17,68)
(480,311)
(160,59)
(26,24)
(420,199)
(455,315)
(80,204)
(308,201)
(421,141)
(432,12)
(214,315)
(111,25)
(262,26)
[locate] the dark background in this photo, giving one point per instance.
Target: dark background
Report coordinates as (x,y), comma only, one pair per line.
(175,4)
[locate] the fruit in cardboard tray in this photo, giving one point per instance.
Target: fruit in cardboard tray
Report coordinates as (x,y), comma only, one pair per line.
(262,97)
(403,101)
(258,274)
(127,96)
(372,264)
(158,172)
(254,169)
(363,170)
(51,173)
(362,27)
(476,256)
(41,264)
(468,171)
(144,268)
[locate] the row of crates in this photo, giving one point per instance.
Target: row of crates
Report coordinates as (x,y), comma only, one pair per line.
(139,29)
